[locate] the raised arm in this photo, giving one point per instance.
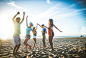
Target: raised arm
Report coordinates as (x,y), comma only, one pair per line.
(39,25)
(26,21)
(36,27)
(23,17)
(57,28)
(15,16)
(46,27)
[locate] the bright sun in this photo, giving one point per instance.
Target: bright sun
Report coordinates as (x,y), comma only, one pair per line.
(7,31)
(7,27)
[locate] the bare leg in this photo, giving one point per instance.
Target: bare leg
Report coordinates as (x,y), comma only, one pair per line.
(14,49)
(50,41)
(52,44)
(44,45)
(34,42)
(17,47)
(29,46)
(25,42)
(26,47)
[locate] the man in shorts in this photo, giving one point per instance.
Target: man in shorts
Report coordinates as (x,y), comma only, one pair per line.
(16,36)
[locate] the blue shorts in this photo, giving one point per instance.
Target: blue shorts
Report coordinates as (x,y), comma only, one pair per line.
(27,36)
(17,39)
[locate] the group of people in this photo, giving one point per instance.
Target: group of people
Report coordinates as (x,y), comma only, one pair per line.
(17,39)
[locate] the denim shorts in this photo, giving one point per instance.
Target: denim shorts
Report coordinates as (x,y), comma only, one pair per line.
(17,39)
(27,36)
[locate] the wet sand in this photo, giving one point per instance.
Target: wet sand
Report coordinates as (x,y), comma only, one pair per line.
(64,48)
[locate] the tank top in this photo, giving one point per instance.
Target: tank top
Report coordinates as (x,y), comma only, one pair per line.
(50,32)
(35,34)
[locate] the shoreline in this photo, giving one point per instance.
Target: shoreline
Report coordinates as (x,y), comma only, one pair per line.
(47,38)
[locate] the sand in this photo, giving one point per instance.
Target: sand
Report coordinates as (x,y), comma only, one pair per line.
(64,48)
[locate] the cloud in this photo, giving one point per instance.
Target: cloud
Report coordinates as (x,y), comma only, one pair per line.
(73,13)
(80,2)
(1,3)
(83,30)
(48,1)
(75,24)
(51,11)
(10,0)
(13,4)
(73,5)
(56,12)
(79,23)
(83,21)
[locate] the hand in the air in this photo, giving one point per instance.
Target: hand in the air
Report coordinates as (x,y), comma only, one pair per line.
(24,13)
(18,13)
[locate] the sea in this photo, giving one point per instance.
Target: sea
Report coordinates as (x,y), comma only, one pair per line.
(39,37)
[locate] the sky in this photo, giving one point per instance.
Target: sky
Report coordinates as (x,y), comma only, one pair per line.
(68,15)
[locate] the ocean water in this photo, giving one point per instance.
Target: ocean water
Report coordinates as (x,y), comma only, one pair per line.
(38,37)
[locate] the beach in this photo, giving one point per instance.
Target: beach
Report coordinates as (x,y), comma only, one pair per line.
(72,47)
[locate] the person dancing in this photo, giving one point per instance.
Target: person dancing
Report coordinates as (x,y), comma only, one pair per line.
(50,32)
(27,37)
(34,35)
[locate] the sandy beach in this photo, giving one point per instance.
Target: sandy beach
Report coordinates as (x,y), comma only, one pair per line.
(64,48)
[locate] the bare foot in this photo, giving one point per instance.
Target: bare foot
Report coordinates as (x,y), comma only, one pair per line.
(14,52)
(52,50)
(44,46)
(33,46)
(18,52)
(26,51)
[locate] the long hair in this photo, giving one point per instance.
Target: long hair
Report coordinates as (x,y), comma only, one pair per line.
(51,22)
(33,28)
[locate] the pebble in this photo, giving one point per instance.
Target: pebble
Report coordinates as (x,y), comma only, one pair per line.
(63,48)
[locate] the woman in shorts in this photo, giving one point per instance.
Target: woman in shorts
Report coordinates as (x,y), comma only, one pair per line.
(27,37)
(34,35)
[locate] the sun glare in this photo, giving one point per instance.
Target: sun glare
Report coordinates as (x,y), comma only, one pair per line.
(4,37)
(7,27)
